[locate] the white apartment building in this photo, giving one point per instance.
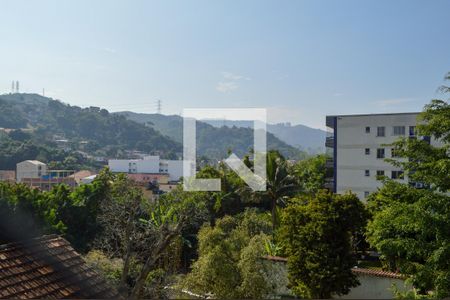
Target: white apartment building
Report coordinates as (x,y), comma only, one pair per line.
(148,165)
(358,146)
(30,169)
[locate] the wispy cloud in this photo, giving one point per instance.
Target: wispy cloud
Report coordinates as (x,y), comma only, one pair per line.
(110,50)
(393,102)
(337,94)
(229,82)
(225,87)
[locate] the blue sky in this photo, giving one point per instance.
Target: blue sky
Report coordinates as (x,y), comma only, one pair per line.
(300,59)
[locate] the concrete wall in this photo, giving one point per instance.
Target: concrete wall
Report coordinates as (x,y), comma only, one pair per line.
(175,169)
(150,164)
(30,169)
(119,165)
(371,286)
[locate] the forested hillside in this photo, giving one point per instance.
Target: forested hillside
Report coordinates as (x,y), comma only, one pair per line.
(213,142)
(94,131)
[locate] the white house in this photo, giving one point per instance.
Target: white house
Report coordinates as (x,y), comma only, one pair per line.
(148,165)
(30,169)
(358,146)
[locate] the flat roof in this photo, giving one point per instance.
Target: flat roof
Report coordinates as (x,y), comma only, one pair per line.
(376,114)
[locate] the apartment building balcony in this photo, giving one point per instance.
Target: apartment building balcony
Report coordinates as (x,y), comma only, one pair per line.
(329,163)
(329,142)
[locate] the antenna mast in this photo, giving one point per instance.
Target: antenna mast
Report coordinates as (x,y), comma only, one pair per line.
(158,106)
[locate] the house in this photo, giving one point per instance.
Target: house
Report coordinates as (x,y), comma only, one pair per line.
(78,176)
(36,174)
(48,267)
(358,145)
(30,169)
(374,284)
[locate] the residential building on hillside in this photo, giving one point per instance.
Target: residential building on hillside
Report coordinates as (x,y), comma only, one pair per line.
(148,165)
(30,169)
(358,145)
(36,174)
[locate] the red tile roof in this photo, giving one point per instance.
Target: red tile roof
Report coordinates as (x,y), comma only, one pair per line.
(370,272)
(48,267)
(378,273)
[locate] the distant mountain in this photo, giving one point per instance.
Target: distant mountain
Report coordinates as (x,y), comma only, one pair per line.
(212,141)
(300,136)
(48,123)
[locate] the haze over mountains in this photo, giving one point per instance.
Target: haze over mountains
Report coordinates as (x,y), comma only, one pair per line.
(299,136)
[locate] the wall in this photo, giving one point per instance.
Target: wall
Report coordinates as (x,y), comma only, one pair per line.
(28,169)
(371,286)
(175,169)
(352,140)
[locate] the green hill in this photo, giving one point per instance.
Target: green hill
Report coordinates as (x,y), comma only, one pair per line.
(93,131)
(213,142)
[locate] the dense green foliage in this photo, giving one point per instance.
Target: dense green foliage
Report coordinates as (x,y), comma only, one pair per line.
(410,227)
(411,230)
(229,264)
(316,235)
(310,173)
(427,162)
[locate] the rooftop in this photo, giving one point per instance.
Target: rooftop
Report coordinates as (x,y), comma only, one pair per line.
(48,267)
(376,114)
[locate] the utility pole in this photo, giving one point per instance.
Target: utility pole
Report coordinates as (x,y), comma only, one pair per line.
(158,106)
(17,86)
(12,87)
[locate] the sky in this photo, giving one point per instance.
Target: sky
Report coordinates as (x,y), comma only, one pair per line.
(301,60)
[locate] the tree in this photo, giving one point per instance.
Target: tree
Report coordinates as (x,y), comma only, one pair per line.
(279,182)
(427,163)
(316,233)
(411,230)
(310,173)
(141,233)
(410,227)
(229,263)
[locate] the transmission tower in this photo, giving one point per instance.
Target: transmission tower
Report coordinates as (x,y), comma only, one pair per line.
(12,87)
(158,106)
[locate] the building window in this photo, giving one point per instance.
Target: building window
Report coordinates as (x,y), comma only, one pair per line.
(367,129)
(397,175)
(412,130)
(367,173)
(380,153)
(394,153)
(380,174)
(367,151)
(398,130)
(381,131)
(366,194)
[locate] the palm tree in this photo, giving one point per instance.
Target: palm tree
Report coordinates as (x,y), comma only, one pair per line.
(279,186)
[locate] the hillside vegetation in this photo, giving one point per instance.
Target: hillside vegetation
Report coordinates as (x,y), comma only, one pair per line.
(213,142)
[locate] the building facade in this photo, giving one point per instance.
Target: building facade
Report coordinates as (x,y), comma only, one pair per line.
(30,169)
(148,165)
(358,146)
